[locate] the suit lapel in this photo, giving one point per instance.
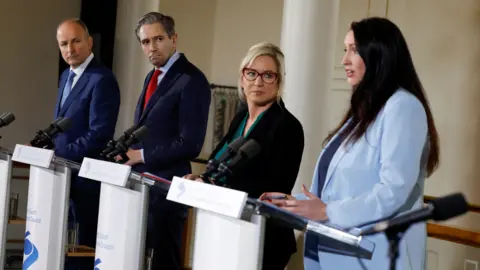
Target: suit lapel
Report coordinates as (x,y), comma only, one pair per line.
(265,128)
(79,86)
(139,109)
(165,85)
(337,157)
(63,81)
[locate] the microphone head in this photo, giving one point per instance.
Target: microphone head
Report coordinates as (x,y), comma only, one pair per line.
(236,144)
(250,148)
(449,206)
(127,133)
(63,124)
(7,118)
(232,150)
(130,130)
(247,151)
(140,133)
(57,120)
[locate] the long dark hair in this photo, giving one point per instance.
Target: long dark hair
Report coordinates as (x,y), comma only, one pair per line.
(389,66)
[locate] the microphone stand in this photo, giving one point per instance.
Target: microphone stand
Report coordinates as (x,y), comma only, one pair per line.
(394,236)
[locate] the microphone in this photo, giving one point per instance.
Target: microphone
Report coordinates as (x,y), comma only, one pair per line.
(6,119)
(121,147)
(59,125)
(136,136)
(246,152)
(439,209)
(111,144)
(44,138)
(231,151)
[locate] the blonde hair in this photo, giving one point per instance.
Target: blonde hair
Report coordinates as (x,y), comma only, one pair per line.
(261,49)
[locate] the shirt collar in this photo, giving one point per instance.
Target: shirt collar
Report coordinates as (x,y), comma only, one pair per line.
(81,68)
(170,62)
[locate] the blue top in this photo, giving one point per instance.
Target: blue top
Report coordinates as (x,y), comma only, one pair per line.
(311,243)
(325,161)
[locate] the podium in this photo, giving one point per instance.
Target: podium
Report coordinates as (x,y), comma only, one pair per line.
(5,176)
(229,227)
(223,242)
(47,207)
(123,213)
(121,227)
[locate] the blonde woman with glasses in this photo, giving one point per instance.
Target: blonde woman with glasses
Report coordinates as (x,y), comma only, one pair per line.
(265,119)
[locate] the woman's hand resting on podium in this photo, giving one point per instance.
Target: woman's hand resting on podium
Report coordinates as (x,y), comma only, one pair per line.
(313,208)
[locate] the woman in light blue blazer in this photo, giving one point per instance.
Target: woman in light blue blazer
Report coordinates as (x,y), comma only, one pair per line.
(376,160)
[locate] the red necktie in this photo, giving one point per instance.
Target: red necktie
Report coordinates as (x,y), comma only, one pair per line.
(152,85)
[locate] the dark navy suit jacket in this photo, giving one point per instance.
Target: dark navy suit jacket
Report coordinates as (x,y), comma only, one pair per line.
(176,117)
(92,107)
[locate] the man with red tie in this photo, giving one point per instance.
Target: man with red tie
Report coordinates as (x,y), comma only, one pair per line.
(174,106)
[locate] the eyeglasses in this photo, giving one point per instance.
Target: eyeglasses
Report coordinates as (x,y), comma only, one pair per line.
(251,74)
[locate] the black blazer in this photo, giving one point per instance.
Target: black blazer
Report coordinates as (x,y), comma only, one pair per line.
(275,168)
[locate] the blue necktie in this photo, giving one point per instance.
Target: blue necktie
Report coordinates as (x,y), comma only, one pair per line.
(68,87)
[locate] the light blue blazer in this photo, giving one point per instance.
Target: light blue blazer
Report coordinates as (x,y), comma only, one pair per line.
(383,172)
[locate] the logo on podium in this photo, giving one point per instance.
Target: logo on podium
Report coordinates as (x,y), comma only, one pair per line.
(30,252)
(97,262)
(181,187)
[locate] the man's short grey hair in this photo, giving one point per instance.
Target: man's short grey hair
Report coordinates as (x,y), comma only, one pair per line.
(78,22)
(155,17)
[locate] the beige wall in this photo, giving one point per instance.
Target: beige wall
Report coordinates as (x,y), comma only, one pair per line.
(29,70)
(238,26)
(445,44)
(29,76)
(195,24)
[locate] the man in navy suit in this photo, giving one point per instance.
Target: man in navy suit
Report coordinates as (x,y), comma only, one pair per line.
(174,106)
(89,96)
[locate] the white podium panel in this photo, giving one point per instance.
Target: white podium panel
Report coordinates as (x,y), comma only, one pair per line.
(121,228)
(45,234)
(223,242)
(5,175)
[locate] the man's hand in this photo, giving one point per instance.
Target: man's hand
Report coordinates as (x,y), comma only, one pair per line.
(134,157)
